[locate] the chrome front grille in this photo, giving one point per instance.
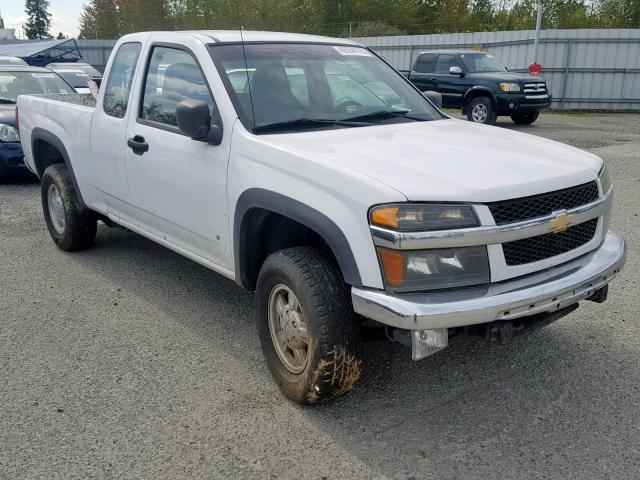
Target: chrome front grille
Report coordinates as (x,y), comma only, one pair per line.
(525,208)
(533,249)
(540,247)
(536,90)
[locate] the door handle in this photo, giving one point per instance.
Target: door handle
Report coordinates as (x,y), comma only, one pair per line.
(138,145)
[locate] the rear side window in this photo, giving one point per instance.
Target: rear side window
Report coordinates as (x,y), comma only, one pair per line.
(425,63)
(445,62)
(116,94)
(173,76)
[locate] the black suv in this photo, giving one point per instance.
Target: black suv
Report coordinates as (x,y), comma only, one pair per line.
(480,86)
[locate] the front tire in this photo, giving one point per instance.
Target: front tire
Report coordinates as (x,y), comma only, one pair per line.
(525,118)
(482,110)
(308,330)
(71,226)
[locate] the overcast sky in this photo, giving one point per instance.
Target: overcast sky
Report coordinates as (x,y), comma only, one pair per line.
(64,15)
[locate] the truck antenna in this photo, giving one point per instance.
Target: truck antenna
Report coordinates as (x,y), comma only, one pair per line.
(246,66)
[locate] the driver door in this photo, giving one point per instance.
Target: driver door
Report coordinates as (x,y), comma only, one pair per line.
(177,185)
(452,87)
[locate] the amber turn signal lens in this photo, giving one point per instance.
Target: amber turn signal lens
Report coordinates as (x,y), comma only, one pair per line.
(387,216)
(393,267)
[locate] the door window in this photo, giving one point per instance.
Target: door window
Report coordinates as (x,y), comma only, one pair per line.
(425,63)
(445,62)
(116,94)
(173,76)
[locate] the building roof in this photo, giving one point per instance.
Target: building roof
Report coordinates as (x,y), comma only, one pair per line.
(41,53)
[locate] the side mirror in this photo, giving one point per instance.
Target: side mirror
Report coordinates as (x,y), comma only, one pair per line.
(434,97)
(456,71)
(194,119)
(506,69)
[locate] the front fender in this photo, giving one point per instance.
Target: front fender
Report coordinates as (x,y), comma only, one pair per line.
(301,213)
(478,89)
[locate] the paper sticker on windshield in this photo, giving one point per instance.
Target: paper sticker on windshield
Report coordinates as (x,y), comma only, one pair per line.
(352,51)
(43,75)
(82,74)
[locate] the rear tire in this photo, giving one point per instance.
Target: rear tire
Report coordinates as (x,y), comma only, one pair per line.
(482,110)
(314,318)
(71,226)
(525,118)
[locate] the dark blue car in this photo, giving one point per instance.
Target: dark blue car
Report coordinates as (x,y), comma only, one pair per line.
(20,80)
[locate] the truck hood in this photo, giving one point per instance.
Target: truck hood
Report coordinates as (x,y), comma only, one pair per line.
(507,76)
(449,159)
(8,114)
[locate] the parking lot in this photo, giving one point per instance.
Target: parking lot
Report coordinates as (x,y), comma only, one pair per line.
(130,361)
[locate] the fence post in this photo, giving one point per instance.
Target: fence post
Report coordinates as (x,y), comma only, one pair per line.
(411,57)
(565,75)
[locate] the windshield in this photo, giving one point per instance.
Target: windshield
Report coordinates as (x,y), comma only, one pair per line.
(298,86)
(477,63)
(83,67)
(76,79)
(13,84)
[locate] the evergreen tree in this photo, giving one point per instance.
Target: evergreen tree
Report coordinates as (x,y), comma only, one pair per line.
(99,19)
(38,19)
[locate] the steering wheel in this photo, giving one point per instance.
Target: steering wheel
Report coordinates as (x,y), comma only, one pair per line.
(349,106)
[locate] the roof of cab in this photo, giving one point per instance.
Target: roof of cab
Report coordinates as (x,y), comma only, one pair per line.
(237,36)
(23,68)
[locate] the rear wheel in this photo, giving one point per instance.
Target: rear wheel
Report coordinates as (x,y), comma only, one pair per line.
(71,226)
(308,330)
(525,118)
(482,110)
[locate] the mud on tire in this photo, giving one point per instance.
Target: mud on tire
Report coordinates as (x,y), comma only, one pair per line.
(333,364)
(71,226)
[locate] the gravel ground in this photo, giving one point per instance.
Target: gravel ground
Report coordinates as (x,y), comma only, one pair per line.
(130,361)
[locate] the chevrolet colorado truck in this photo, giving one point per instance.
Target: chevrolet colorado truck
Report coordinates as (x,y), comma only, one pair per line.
(309,170)
(482,88)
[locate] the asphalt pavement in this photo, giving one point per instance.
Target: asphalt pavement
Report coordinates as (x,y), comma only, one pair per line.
(129,361)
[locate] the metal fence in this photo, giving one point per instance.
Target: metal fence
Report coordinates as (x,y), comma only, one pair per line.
(586,69)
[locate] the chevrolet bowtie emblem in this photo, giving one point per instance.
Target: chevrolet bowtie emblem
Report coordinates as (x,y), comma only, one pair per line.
(561,222)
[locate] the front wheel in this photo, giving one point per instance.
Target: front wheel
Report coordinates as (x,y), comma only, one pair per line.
(481,110)
(308,331)
(525,118)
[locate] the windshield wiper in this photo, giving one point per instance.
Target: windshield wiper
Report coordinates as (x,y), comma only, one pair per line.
(6,101)
(382,114)
(307,122)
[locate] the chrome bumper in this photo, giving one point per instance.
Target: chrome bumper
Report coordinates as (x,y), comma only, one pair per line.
(545,291)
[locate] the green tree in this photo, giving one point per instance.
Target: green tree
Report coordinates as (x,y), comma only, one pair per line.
(38,19)
(99,19)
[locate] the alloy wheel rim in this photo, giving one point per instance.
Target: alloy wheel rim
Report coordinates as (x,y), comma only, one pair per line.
(288,329)
(479,112)
(56,208)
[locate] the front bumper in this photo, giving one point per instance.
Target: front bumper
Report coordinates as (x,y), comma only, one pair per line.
(508,104)
(12,158)
(546,291)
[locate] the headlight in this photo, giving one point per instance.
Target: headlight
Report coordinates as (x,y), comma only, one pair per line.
(605,179)
(426,216)
(509,87)
(416,270)
(8,134)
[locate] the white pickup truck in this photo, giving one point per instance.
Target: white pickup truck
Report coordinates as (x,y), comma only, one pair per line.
(309,170)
